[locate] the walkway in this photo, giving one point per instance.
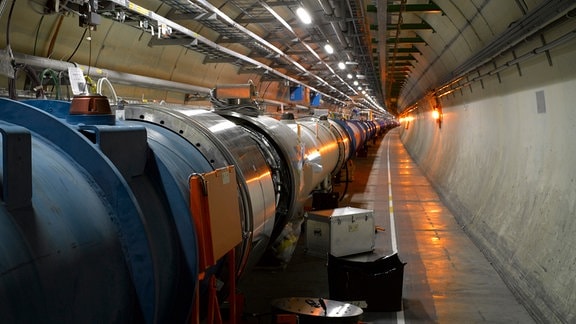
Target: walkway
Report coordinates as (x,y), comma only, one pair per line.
(447,279)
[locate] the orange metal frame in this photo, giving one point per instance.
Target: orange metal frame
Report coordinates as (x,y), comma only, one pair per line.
(200,214)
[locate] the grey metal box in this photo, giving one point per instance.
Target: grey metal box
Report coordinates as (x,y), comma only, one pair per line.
(340,232)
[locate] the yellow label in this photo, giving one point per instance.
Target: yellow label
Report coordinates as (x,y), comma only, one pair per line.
(141,10)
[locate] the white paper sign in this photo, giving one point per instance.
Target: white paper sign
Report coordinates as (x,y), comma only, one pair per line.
(77,81)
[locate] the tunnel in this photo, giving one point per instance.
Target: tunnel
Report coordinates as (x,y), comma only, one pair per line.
(110,110)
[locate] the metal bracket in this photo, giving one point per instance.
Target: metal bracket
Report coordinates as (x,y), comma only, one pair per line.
(126,147)
(17,167)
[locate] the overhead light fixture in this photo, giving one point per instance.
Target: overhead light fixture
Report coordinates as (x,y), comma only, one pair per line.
(341,65)
(329,49)
(349,76)
(304,16)
(437,116)
(355,82)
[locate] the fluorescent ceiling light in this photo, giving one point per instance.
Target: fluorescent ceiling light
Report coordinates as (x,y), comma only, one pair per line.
(304,15)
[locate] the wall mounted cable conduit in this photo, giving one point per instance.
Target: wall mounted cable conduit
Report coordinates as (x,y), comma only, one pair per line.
(535,21)
(539,50)
(532,23)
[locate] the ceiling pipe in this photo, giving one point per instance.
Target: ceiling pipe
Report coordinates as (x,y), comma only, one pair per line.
(340,12)
(118,77)
(115,76)
(339,26)
(329,11)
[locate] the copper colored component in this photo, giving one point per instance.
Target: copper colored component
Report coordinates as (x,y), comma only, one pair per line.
(90,105)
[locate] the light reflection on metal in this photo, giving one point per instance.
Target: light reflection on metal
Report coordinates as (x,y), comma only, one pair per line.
(219,127)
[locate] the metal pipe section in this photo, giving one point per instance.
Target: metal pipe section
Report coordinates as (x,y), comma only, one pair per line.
(98,227)
(319,150)
(117,77)
(223,143)
(279,144)
(105,218)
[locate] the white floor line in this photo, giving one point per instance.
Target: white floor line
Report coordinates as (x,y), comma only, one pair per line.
(400,314)
(391,203)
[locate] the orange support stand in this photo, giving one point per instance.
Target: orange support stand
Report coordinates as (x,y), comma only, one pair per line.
(232,287)
(219,231)
(286,319)
(214,315)
(213,312)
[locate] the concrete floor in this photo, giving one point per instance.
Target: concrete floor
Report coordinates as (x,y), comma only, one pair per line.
(447,279)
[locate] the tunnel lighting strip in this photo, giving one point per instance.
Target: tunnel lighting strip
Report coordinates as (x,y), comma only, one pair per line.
(262,41)
(308,47)
(162,20)
(274,48)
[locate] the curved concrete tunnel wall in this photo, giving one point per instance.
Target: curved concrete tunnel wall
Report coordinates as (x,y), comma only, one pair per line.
(507,170)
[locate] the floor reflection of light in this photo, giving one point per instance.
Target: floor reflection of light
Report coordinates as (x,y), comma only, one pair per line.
(435,239)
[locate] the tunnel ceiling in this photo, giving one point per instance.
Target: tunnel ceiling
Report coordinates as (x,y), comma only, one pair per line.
(397,51)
